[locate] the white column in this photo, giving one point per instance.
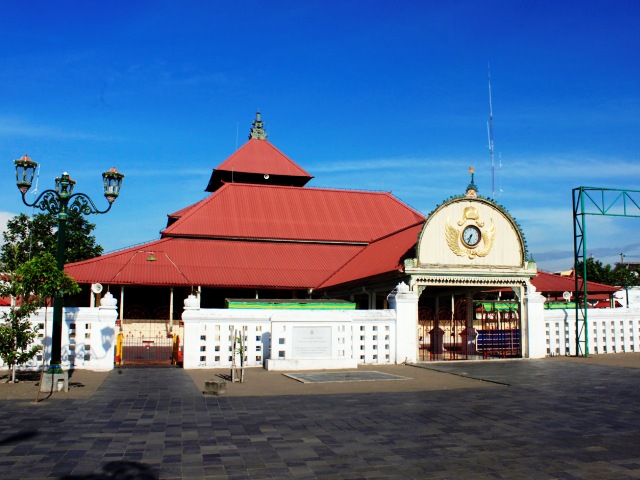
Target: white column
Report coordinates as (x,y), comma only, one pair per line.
(122,303)
(171,305)
(405,303)
(103,349)
(191,317)
(534,319)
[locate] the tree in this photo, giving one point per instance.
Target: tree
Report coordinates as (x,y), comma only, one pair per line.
(619,276)
(625,277)
(31,285)
(25,238)
(596,271)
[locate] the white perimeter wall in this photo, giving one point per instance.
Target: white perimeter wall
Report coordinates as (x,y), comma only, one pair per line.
(88,338)
(609,331)
(348,337)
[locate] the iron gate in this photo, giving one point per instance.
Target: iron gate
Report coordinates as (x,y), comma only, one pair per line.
(499,334)
(495,332)
(140,349)
(442,336)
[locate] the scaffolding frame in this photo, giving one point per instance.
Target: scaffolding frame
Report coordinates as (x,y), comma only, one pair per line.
(597,202)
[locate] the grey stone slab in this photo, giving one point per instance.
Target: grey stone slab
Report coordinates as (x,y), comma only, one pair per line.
(341,376)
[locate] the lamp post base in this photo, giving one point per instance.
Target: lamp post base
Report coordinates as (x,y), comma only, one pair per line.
(55,380)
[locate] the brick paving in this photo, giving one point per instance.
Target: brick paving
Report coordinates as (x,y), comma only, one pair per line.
(523,419)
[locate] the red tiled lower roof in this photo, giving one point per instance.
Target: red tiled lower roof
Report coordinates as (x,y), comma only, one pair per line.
(380,257)
(607,304)
(550,283)
(266,264)
(217,263)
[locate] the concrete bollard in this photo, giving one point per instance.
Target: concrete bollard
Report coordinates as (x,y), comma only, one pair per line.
(215,387)
(55,382)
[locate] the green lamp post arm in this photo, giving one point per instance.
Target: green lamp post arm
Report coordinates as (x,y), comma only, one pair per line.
(56,204)
(84,205)
(47,201)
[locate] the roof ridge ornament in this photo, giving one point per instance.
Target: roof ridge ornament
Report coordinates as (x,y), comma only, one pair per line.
(257,129)
(472,189)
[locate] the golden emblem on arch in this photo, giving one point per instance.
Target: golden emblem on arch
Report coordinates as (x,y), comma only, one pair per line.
(471,239)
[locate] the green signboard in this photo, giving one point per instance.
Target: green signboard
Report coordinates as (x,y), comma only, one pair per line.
(499,306)
(290,304)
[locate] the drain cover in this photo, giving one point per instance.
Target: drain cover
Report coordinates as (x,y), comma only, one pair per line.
(355,376)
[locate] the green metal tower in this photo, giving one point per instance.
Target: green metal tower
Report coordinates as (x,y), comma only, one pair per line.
(594,201)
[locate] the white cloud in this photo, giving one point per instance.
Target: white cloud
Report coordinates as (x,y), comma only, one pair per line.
(4,217)
(16,127)
(170,171)
(419,165)
(538,172)
(576,168)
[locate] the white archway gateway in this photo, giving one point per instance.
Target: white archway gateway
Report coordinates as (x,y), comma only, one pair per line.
(472,277)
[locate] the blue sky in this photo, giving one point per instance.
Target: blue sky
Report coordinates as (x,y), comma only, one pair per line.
(371,95)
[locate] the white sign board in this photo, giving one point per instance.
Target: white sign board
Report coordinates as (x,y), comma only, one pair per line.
(311,342)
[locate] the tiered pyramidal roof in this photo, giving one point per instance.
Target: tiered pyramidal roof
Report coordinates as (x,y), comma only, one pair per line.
(262,228)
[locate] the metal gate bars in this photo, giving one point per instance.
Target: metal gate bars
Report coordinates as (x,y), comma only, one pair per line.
(442,336)
(493,331)
(143,350)
(499,335)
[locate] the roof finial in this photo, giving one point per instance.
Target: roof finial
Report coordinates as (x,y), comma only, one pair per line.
(472,190)
(257,130)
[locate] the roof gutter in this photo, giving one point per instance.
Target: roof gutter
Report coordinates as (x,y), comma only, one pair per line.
(272,240)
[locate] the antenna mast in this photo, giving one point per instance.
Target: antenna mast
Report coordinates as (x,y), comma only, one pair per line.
(490,133)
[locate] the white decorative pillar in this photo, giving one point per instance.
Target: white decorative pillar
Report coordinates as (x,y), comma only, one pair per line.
(103,351)
(405,303)
(171,305)
(122,303)
(536,338)
(191,318)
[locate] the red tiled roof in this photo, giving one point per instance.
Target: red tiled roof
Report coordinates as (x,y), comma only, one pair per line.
(260,156)
(246,235)
(551,283)
(607,304)
(216,263)
(294,213)
(185,210)
(382,256)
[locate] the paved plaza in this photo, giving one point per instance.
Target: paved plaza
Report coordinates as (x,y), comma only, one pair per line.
(523,419)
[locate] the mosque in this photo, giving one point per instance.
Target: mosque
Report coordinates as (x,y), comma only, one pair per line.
(262,235)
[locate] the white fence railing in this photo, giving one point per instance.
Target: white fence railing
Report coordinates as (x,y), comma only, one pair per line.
(609,331)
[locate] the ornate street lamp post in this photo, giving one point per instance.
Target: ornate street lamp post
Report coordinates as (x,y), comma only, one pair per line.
(60,202)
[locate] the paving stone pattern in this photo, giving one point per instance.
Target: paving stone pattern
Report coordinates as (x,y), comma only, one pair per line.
(554,420)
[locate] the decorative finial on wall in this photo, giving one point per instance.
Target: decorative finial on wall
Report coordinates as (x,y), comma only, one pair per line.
(472,190)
